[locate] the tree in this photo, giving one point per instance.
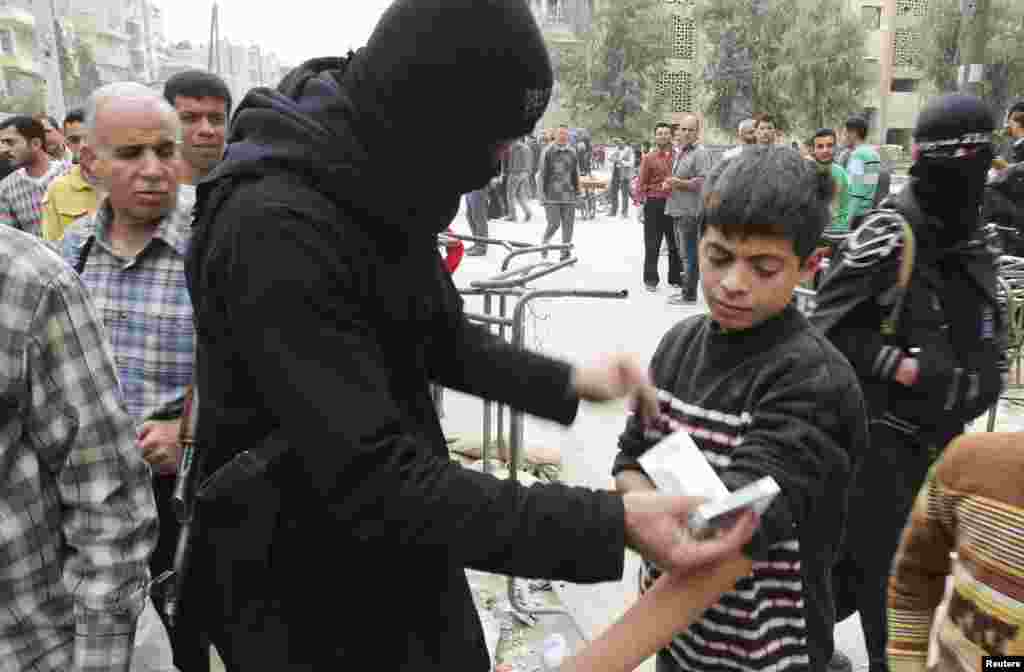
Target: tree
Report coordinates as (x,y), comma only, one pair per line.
(941,58)
(799,60)
(607,77)
(30,101)
(68,72)
(88,71)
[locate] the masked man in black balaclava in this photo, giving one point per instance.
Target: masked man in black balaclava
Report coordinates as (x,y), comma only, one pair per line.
(340,536)
(930,357)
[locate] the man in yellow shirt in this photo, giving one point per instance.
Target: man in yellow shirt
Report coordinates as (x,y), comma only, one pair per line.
(70,196)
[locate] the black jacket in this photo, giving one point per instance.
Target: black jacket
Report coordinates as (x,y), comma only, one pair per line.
(777,400)
(323,312)
(950,313)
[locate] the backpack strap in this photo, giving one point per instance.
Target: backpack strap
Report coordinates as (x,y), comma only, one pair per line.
(83,254)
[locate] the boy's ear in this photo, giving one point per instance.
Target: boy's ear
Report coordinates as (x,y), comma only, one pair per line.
(812,264)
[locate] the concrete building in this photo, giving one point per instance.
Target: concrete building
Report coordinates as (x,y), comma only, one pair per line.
(19,72)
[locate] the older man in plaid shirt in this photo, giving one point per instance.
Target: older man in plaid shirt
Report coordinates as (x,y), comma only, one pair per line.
(77,516)
(131,257)
(22,142)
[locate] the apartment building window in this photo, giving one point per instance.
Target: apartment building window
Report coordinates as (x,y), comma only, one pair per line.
(6,42)
(677,89)
(904,85)
(916,8)
(871,17)
(684,37)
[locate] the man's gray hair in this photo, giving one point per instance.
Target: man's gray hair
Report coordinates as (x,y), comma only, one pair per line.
(125,90)
(746,125)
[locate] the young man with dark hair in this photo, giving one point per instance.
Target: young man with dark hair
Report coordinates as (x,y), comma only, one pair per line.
(23,143)
(54,139)
(762,393)
(928,349)
(864,169)
(765,129)
(203,103)
(824,151)
(74,132)
(655,171)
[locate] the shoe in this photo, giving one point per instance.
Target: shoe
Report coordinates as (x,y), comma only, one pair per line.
(677,285)
(513,219)
(840,662)
(476,251)
(625,215)
(651,288)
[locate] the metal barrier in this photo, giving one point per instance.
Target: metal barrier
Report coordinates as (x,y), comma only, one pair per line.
(512,283)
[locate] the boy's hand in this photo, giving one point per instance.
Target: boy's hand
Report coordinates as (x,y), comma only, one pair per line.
(655,528)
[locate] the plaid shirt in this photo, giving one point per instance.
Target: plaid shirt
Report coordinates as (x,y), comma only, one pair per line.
(145,305)
(21,197)
(77,516)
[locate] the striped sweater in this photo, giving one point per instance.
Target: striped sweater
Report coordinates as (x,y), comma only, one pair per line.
(777,400)
(972,504)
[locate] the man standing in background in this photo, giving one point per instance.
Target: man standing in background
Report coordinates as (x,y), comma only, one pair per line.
(655,170)
(863,167)
(560,187)
(520,166)
(824,152)
(691,166)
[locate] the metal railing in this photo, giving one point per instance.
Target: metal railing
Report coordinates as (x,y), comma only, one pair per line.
(512,283)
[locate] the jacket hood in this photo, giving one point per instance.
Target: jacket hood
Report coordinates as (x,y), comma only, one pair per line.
(400,129)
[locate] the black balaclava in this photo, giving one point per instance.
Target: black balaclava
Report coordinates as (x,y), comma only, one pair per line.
(459,76)
(952,155)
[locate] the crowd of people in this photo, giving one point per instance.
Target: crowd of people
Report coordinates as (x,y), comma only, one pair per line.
(173,261)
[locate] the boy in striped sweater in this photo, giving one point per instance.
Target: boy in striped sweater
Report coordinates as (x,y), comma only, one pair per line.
(972,503)
(762,394)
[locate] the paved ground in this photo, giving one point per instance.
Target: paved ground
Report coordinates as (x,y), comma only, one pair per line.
(610,253)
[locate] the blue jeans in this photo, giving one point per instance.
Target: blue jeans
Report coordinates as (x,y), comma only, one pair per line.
(687,233)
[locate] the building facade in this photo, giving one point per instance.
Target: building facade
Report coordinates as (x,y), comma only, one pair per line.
(19,72)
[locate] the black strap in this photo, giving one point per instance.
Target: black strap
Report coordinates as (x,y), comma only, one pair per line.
(83,254)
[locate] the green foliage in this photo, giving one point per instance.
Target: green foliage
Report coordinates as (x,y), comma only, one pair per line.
(88,72)
(1004,50)
(31,102)
(607,78)
(800,60)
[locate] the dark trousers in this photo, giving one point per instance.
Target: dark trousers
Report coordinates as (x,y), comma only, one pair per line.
(658,227)
(687,235)
(881,497)
(619,189)
(560,216)
(190,644)
(476,212)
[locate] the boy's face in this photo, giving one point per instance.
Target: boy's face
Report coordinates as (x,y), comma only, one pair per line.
(750,280)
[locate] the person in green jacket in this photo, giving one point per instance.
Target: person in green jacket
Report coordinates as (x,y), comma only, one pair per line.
(824,152)
(863,168)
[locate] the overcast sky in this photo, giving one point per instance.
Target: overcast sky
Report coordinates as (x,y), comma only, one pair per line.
(294,29)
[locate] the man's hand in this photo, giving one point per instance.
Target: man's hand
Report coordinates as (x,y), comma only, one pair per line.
(615,377)
(655,528)
(158,441)
(907,371)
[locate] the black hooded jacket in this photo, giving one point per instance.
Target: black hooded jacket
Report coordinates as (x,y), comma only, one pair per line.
(950,313)
(323,311)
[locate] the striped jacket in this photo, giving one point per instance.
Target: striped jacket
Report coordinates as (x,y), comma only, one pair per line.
(21,197)
(972,504)
(777,400)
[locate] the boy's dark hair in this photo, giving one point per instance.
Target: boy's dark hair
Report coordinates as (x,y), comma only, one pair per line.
(768,191)
(858,125)
(824,133)
(75,116)
(662,124)
(27,127)
(197,84)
